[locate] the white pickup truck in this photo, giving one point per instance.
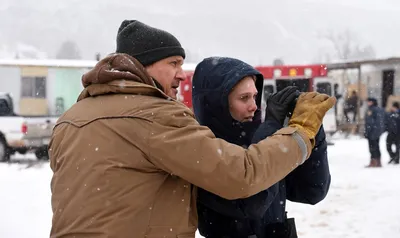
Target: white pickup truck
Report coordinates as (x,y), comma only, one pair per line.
(23,134)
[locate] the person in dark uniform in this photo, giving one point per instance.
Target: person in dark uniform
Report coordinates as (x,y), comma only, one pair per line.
(393,129)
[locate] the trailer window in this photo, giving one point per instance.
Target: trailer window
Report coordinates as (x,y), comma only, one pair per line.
(324,88)
(33,87)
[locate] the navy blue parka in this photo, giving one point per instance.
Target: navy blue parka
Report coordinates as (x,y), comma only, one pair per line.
(214,78)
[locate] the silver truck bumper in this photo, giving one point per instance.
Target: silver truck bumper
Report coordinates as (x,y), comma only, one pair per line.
(29,143)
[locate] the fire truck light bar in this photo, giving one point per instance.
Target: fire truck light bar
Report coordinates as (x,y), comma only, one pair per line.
(277,73)
(292,72)
(308,72)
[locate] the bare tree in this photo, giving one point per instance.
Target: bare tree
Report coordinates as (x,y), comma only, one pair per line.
(323,57)
(365,52)
(346,46)
(68,50)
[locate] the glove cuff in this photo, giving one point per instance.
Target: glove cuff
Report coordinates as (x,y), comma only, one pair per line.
(310,136)
(302,140)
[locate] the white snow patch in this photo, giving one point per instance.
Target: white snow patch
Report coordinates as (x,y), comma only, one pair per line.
(361,202)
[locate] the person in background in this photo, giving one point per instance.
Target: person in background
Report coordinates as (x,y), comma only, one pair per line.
(226,98)
(374,127)
(393,129)
(351,106)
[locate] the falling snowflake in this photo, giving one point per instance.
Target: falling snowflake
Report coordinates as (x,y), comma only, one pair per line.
(283,148)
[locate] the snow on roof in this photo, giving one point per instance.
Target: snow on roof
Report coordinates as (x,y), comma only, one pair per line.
(65,63)
(49,63)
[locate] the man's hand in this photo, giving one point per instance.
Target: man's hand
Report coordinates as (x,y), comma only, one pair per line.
(310,111)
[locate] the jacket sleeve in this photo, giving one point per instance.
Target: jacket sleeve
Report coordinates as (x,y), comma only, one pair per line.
(253,207)
(381,120)
(310,182)
(387,121)
(178,145)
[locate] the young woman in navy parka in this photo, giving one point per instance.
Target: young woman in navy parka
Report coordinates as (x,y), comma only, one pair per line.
(227,98)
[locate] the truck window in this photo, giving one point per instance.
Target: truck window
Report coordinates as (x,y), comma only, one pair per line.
(4,108)
(324,88)
(301,84)
(268,90)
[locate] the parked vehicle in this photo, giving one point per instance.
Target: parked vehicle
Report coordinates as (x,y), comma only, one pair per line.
(23,134)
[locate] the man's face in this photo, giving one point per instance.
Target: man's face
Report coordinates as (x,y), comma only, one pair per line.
(169,73)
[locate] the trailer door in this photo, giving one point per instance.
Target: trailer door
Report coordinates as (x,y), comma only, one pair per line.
(325,85)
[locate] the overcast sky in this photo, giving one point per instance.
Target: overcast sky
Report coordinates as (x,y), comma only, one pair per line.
(255,31)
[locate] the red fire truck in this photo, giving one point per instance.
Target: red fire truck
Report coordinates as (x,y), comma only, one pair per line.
(185,87)
(307,78)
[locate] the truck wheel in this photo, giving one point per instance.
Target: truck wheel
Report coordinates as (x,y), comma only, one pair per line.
(22,151)
(41,154)
(4,151)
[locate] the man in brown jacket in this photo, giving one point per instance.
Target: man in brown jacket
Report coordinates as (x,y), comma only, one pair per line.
(127,157)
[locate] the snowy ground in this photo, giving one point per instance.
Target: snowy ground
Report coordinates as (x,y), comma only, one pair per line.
(362,203)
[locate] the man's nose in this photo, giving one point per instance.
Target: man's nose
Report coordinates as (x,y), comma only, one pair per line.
(181,75)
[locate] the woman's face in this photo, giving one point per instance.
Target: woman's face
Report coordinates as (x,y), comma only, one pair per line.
(242,100)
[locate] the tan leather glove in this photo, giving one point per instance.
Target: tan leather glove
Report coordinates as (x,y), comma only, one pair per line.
(309,112)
